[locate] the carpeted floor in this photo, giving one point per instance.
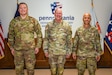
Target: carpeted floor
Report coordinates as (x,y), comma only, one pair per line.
(101,71)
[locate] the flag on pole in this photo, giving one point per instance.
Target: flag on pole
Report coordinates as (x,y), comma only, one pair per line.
(17,12)
(1,42)
(108,37)
(95,23)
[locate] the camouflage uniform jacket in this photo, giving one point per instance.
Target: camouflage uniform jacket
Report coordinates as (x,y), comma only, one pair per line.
(87,42)
(22,32)
(58,38)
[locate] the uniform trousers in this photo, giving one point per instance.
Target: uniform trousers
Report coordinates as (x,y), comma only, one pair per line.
(26,57)
(90,63)
(57,64)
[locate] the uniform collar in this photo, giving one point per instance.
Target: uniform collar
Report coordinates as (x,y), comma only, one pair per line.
(87,29)
(27,18)
(56,23)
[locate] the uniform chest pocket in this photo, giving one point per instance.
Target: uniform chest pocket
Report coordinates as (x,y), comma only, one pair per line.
(62,32)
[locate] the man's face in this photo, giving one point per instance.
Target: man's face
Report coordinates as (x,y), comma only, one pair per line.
(86,18)
(58,15)
(23,9)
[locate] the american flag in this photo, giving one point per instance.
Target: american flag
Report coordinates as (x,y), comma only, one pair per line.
(1,42)
(96,24)
(108,37)
(55,5)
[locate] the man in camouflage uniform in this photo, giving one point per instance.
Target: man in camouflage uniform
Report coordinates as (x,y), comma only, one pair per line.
(57,43)
(86,47)
(22,32)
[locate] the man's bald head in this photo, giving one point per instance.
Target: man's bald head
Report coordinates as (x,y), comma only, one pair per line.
(87,15)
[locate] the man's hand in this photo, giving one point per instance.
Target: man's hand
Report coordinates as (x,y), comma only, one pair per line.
(74,56)
(47,54)
(36,50)
(12,51)
(98,58)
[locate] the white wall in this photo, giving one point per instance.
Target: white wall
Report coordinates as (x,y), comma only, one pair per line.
(76,8)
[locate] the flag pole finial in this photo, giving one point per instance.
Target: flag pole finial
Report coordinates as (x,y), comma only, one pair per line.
(17,2)
(92,3)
